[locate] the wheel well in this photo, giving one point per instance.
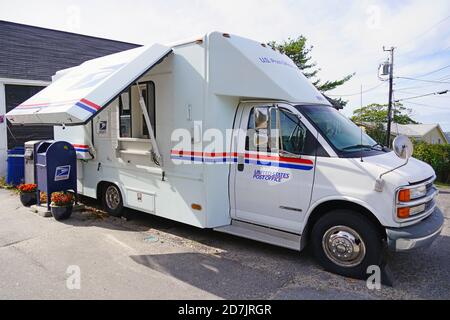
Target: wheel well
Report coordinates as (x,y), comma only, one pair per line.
(328,206)
(100,187)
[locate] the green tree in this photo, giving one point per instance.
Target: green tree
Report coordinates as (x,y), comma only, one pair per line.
(300,52)
(377,113)
(374,118)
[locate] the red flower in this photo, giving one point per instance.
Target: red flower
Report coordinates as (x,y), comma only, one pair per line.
(62,199)
(27,188)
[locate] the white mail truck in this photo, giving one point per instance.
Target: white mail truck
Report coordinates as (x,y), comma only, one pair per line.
(226,133)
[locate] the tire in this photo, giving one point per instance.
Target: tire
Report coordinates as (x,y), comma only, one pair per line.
(112,200)
(346,243)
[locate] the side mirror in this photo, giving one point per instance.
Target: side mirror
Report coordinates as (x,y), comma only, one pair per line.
(261,119)
(403,147)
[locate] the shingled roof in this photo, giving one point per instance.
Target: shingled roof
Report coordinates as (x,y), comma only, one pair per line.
(34,53)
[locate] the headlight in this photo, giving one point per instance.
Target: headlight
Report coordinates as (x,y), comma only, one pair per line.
(406,195)
(418,192)
(407,212)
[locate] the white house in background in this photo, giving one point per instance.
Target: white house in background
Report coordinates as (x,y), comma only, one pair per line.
(430,133)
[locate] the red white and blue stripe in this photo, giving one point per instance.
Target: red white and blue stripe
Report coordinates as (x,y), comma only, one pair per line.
(260,159)
(81,148)
(88,106)
(84,104)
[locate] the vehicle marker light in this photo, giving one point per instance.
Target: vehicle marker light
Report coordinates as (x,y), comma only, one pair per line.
(404,195)
(403,213)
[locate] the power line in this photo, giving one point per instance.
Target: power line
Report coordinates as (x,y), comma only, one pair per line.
(424,105)
(423,80)
(356,94)
(424,33)
(426,85)
(444,78)
(424,95)
(412,90)
(427,74)
(407,91)
(420,87)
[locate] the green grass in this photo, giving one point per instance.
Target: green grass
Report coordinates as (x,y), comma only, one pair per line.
(442,185)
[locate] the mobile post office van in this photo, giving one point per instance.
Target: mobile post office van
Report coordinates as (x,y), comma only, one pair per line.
(226,133)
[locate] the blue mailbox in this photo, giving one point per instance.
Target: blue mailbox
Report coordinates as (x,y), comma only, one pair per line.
(56,168)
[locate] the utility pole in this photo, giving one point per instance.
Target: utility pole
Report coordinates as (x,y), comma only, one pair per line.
(391,95)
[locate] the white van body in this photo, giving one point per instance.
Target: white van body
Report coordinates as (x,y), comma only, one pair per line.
(208,88)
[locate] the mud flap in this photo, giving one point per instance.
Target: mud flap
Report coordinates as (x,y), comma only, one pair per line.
(387,277)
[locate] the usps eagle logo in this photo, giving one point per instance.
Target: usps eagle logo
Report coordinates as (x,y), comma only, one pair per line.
(62,173)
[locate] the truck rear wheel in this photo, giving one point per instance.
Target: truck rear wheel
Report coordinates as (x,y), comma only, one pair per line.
(112,200)
(346,243)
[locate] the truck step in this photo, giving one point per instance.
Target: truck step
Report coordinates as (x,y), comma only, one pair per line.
(262,234)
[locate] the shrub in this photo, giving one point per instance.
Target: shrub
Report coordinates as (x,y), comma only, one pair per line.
(4,185)
(436,155)
(61,199)
(27,188)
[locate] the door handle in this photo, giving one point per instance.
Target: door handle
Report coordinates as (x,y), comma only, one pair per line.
(241,163)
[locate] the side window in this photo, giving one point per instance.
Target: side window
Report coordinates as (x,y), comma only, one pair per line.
(258,130)
(125,115)
(273,129)
(295,138)
(148,93)
(292,133)
(131,118)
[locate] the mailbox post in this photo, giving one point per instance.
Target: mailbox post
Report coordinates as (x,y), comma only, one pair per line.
(56,168)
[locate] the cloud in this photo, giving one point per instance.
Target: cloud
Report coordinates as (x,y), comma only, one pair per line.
(347,36)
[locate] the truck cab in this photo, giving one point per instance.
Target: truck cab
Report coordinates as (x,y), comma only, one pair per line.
(309,171)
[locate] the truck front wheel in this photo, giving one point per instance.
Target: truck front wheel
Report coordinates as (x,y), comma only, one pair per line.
(346,243)
(112,200)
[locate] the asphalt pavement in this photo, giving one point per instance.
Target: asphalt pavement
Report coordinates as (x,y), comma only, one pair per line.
(92,256)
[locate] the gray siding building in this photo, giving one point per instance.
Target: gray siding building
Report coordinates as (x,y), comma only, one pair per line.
(29,57)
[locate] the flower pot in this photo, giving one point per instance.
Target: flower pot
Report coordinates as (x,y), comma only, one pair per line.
(28,198)
(61,213)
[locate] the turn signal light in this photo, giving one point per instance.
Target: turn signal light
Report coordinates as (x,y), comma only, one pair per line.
(404,195)
(196,206)
(403,213)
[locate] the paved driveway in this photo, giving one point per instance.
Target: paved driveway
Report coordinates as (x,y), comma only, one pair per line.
(153,258)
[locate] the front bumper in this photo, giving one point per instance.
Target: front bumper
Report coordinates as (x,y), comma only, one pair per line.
(420,235)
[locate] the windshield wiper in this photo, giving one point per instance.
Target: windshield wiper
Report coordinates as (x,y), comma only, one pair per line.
(377,145)
(357,146)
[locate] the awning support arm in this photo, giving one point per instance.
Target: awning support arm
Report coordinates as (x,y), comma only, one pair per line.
(155,150)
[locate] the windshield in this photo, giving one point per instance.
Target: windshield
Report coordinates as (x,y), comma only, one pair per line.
(340,131)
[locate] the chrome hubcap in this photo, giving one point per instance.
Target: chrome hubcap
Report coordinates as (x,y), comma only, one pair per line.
(112,197)
(344,246)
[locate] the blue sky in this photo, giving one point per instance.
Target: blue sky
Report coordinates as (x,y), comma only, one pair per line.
(347,35)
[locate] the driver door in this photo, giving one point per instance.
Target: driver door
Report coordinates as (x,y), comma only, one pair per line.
(273,184)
